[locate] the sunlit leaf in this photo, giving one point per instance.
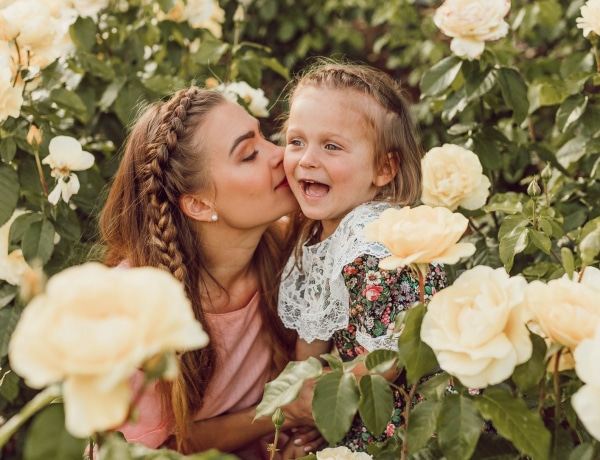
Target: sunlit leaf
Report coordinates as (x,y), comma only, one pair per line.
(459,427)
(376,402)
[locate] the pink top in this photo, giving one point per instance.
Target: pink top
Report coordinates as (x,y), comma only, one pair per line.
(244,361)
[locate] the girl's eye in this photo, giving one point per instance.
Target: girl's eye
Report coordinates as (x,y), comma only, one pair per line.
(251,156)
(331,147)
(295,143)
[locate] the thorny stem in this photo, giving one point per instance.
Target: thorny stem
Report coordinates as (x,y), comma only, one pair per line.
(36,153)
(580,277)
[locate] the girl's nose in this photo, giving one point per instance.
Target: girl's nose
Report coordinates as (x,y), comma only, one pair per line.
(308,159)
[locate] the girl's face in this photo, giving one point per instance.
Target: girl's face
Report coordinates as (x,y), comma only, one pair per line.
(246,170)
(329,154)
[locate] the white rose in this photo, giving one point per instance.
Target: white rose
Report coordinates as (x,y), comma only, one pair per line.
(92,328)
(586,401)
(565,311)
(476,327)
(66,155)
(12,265)
(590,18)
(453,177)
(255,99)
(341,453)
(11,96)
(471,23)
(419,236)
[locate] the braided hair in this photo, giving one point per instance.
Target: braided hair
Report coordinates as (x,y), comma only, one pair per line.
(142,223)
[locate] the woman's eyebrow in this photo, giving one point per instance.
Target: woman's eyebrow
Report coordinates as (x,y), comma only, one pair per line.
(243,137)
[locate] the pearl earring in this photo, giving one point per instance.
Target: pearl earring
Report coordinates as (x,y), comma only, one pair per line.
(214,217)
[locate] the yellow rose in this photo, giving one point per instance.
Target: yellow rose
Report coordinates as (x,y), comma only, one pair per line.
(471,23)
(92,328)
(586,401)
(565,311)
(341,453)
(453,177)
(419,235)
(590,18)
(476,327)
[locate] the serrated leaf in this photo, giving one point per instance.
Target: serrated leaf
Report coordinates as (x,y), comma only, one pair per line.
(514,92)
(376,402)
(439,77)
(47,438)
(8,149)
(418,358)
(334,404)
(570,111)
(422,425)
(38,242)
(380,361)
(530,373)
(511,244)
(459,427)
(515,421)
(286,387)
(9,191)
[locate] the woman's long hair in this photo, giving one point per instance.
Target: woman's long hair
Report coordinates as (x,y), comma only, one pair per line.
(142,223)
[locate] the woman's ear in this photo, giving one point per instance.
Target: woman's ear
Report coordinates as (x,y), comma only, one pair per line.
(196,208)
(387,171)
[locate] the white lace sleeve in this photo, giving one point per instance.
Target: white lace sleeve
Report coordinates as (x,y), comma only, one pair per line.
(313,298)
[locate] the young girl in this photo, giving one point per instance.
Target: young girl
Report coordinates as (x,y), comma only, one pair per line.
(351,152)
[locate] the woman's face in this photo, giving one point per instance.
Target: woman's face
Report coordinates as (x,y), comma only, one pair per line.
(246,170)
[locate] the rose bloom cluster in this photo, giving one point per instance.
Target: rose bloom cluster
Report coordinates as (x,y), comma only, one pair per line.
(206,14)
(92,328)
(471,23)
(479,329)
(33,34)
(590,18)
(341,453)
(255,99)
(453,177)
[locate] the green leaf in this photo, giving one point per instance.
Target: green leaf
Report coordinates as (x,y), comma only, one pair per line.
(459,427)
(286,387)
(166,5)
(21,224)
(585,451)
(479,83)
(380,361)
(422,425)
(47,438)
(540,240)
(334,404)
(334,361)
(438,78)
(8,149)
(416,355)
(71,101)
(530,373)
(513,420)
(9,191)
(435,388)
(376,402)
(9,317)
(83,33)
(514,92)
(98,67)
(570,111)
(9,384)
(38,242)
(513,238)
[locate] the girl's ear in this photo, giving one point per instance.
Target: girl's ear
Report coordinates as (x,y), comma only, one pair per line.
(387,171)
(196,208)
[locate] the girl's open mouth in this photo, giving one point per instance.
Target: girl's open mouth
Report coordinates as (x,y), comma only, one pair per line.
(316,189)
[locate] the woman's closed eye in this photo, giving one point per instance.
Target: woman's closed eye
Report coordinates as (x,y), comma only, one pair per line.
(251,157)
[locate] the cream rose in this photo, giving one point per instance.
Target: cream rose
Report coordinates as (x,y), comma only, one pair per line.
(586,401)
(590,18)
(341,453)
(453,177)
(92,328)
(11,96)
(565,311)
(471,23)
(255,99)
(13,266)
(477,326)
(420,235)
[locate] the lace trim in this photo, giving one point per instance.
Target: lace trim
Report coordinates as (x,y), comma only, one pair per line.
(315,301)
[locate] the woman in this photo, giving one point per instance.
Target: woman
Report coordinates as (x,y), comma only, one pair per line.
(199,193)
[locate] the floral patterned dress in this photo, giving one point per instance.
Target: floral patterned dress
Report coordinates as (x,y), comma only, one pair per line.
(376,298)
